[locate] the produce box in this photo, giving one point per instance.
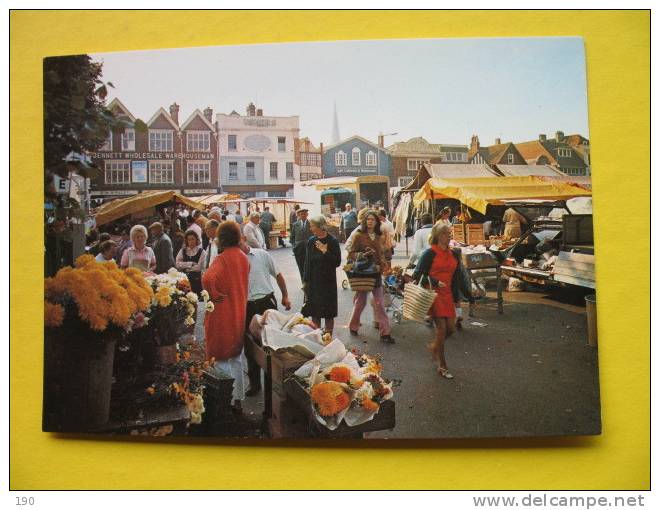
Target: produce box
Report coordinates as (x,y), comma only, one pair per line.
(458,232)
(287,420)
(283,363)
(479,260)
(475,234)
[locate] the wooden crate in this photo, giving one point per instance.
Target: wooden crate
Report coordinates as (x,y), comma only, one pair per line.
(479,260)
(287,420)
(385,419)
(575,269)
(458,232)
(283,364)
(475,234)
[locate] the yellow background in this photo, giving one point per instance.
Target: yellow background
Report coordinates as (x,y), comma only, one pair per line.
(618,67)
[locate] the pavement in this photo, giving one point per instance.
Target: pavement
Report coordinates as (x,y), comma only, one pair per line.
(527,372)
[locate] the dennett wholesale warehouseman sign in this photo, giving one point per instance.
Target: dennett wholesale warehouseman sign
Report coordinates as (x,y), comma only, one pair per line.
(152,155)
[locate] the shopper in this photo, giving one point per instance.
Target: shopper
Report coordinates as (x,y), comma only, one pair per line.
(253,234)
(210,230)
(124,243)
(226,281)
(261,297)
(266,222)
(162,247)
(421,238)
(300,234)
(107,251)
(322,259)
(189,260)
(367,245)
(348,221)
(139,255)
(442,267)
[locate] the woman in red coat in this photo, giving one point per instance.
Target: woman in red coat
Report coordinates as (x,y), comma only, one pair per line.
(226,281)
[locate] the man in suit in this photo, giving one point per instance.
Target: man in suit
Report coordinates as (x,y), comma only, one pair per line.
(300,234)
(162,248)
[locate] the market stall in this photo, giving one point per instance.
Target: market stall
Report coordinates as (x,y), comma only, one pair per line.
(281,209)
(142,204)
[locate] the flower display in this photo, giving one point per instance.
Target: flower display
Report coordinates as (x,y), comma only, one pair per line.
(340,373)
(330,398)
(98,294)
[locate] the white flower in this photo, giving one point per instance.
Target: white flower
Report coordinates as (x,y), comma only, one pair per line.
(173,272)
(195,418)
(205,295)
(192,297)
(366,390)
(210,306)
(190,309)
(189,321)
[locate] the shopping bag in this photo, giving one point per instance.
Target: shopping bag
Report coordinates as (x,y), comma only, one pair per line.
(417,301)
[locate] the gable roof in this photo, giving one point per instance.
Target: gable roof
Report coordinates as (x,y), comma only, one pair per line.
(417,145)
(493,154)
(161,111)
(116,102)
(354,137)
(199,114)
(532,151)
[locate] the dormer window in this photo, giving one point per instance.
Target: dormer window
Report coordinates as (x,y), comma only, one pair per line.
(161,140)
(509,159)
(128,140)
(198,141)
(564,153)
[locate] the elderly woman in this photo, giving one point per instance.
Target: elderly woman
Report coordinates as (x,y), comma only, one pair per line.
(442,267)
(367,244)
(139,255)
(322,259)
(226,281)
(189,260)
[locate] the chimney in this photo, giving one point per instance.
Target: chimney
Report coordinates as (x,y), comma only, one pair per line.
(474,143)
(174,113)
(498,141)
(208,114)
(542,138)
(250,110)
(381,141)
(260,112)
(559,136)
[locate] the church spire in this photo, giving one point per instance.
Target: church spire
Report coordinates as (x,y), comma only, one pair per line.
(335,126)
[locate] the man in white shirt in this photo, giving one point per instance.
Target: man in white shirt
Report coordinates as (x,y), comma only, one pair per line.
(254,236)
(261,297)
(421,238)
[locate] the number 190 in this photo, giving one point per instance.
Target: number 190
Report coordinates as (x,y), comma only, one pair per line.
(22,501)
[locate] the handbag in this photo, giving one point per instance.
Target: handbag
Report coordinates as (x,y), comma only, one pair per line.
(417,301)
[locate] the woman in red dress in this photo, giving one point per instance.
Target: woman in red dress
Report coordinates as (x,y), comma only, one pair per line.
(226,281)
(441,265)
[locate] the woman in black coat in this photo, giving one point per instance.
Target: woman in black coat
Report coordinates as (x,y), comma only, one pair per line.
(322,259)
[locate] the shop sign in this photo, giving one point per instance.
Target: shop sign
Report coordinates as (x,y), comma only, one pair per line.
(111,193)
(139,171)
(153,155)
(209,191)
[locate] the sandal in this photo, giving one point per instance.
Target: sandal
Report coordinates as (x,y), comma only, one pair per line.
(444,372)
(387,339)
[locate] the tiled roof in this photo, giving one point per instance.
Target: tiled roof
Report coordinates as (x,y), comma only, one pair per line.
(417,145)
(574,140)
(533,150)
(492,154)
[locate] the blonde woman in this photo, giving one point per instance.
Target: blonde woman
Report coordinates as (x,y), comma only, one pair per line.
(441,266)
(139,255)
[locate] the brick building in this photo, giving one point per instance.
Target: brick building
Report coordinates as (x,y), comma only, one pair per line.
(160,154)
(408,156)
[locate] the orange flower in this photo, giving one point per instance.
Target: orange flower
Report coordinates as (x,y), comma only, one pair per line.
(53,314)
(369,404)
(340,374)
(330,398)
(151,390)
(186,355)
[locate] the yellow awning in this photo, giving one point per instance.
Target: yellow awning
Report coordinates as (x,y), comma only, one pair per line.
(217,199)
(479,192)
(124,206)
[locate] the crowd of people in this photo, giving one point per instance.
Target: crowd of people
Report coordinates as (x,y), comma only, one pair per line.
(226,255)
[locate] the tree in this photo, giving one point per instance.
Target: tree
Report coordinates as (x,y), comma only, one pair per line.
(76,119)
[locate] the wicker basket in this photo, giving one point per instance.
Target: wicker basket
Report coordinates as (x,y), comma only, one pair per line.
(361,282)
(417,301)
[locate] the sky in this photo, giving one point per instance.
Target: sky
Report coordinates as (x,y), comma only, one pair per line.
(445,90)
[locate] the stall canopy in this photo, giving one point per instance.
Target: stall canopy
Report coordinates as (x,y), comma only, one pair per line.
(216,199)
(526,170)
(448,171)
(478,193)
(124,206)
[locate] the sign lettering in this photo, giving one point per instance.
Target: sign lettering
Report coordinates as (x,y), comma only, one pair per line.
(152,155)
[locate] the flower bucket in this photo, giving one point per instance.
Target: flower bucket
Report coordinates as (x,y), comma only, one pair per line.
(77,380)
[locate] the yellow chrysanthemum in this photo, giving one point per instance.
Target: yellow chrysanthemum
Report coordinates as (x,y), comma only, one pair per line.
(53,314)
